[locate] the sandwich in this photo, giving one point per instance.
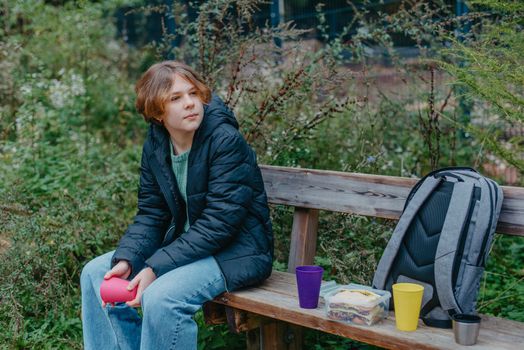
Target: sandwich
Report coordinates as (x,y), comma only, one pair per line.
(355,305)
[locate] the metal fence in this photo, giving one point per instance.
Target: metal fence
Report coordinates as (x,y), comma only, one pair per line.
(137,29)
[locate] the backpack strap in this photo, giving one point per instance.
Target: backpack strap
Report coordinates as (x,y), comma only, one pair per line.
(482,223)
(386,261)
(436,173)
(456,217)
(497,196)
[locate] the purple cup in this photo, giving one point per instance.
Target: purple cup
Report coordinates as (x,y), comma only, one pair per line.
(309,278)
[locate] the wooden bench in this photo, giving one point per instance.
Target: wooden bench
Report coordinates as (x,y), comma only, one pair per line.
(270,312)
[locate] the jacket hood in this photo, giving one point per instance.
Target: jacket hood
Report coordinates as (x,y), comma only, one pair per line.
(216,113)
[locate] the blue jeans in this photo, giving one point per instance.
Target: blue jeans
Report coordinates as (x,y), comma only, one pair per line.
(168,306)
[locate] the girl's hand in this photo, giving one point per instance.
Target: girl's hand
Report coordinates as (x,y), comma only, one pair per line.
(122,269)
(142,280)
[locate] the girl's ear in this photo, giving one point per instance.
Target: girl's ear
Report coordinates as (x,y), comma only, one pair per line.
(157,121)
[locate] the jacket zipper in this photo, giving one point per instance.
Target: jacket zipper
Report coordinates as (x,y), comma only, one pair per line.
(170,228)
(187,218)
(166,236)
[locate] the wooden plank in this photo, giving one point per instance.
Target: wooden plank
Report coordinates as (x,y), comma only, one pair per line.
(281,283)
(302,252)
(214,313)
(365,194)
(303,238)
(253,339)
(511,220)
(495,333)
(279,335)
(370,195)
(294,336)
(242,321)
(272,336)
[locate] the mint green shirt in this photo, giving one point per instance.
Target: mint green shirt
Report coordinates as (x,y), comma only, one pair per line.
(179,165)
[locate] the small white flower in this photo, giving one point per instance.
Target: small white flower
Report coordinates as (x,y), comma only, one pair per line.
(363,31)
(26,90)
(58,93)
(77,85)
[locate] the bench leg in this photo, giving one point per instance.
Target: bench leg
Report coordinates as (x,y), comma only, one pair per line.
(214,313)
(280,336)
(253,339)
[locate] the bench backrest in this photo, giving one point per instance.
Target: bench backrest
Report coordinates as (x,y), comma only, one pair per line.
(363,194)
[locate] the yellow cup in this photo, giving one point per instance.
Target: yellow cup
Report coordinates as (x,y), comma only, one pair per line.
(407,298)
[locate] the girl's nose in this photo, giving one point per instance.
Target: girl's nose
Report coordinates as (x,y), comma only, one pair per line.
(188,101)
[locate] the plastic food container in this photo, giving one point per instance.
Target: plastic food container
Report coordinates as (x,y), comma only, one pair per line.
(355,303)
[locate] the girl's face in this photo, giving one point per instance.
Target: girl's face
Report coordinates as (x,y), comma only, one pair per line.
(184,109)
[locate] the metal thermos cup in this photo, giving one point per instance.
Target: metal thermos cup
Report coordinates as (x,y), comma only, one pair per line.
(466,328)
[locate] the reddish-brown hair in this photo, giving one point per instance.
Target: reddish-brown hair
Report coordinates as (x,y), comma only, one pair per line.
(153,88)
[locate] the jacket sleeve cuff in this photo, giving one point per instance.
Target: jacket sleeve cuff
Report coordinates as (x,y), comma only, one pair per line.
(136,263)
(161,263)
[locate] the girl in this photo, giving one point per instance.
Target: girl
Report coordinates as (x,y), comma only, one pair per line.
(202,225)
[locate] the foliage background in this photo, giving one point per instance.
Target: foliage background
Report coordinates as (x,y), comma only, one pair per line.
(70,138)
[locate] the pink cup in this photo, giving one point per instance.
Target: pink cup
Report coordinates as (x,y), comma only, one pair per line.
(114,290)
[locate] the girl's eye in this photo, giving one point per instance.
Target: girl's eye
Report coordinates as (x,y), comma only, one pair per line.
(174,98)
(193,93)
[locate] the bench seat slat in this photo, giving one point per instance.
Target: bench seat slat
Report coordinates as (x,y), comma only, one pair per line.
(277,298)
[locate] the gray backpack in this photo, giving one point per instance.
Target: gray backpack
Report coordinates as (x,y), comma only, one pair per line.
(442,241)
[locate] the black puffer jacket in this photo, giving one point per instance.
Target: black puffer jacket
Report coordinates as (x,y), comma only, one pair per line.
(228,210)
